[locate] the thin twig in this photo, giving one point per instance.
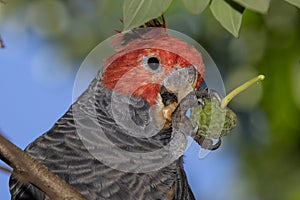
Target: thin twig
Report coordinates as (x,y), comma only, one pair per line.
(1,42)
(28,169)
(2,46)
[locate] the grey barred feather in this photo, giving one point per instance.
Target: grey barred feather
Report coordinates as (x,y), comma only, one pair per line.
(72,157)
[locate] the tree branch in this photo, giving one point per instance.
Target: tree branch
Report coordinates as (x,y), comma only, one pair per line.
(4,169)
(28,169)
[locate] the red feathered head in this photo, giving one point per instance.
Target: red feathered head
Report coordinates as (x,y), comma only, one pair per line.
(145,60)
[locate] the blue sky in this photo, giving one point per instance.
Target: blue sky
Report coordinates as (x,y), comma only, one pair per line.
(36,90)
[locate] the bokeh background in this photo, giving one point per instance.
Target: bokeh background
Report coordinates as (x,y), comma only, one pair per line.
(46,41)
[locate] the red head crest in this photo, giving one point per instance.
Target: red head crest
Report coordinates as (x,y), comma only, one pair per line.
(128,72)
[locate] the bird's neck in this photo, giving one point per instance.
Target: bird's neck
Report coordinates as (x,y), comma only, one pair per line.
(126,121)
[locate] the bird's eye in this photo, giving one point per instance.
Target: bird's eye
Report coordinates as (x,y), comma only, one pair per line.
(153,63)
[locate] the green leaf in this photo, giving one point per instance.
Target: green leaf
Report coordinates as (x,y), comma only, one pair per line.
(294,2)
(196,6)
(261,6)
(138,12)
(229,18)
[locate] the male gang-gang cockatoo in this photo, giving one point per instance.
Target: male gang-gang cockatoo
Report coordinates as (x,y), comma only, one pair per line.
(129,104)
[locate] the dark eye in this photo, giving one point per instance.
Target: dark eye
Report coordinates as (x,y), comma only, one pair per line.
(153,63)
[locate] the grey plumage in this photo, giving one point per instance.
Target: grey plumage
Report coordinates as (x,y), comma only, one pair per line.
(69,148)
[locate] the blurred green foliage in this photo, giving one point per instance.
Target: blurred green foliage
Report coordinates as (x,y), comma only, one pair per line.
(138,12)
(268,139)
(228,12)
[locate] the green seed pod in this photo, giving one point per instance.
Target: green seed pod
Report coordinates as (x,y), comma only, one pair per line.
(209,118)
(213,121)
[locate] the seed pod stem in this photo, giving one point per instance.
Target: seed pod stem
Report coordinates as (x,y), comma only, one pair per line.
(239,89)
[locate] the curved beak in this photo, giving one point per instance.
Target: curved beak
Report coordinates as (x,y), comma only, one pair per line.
(175,87)
(181,81)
